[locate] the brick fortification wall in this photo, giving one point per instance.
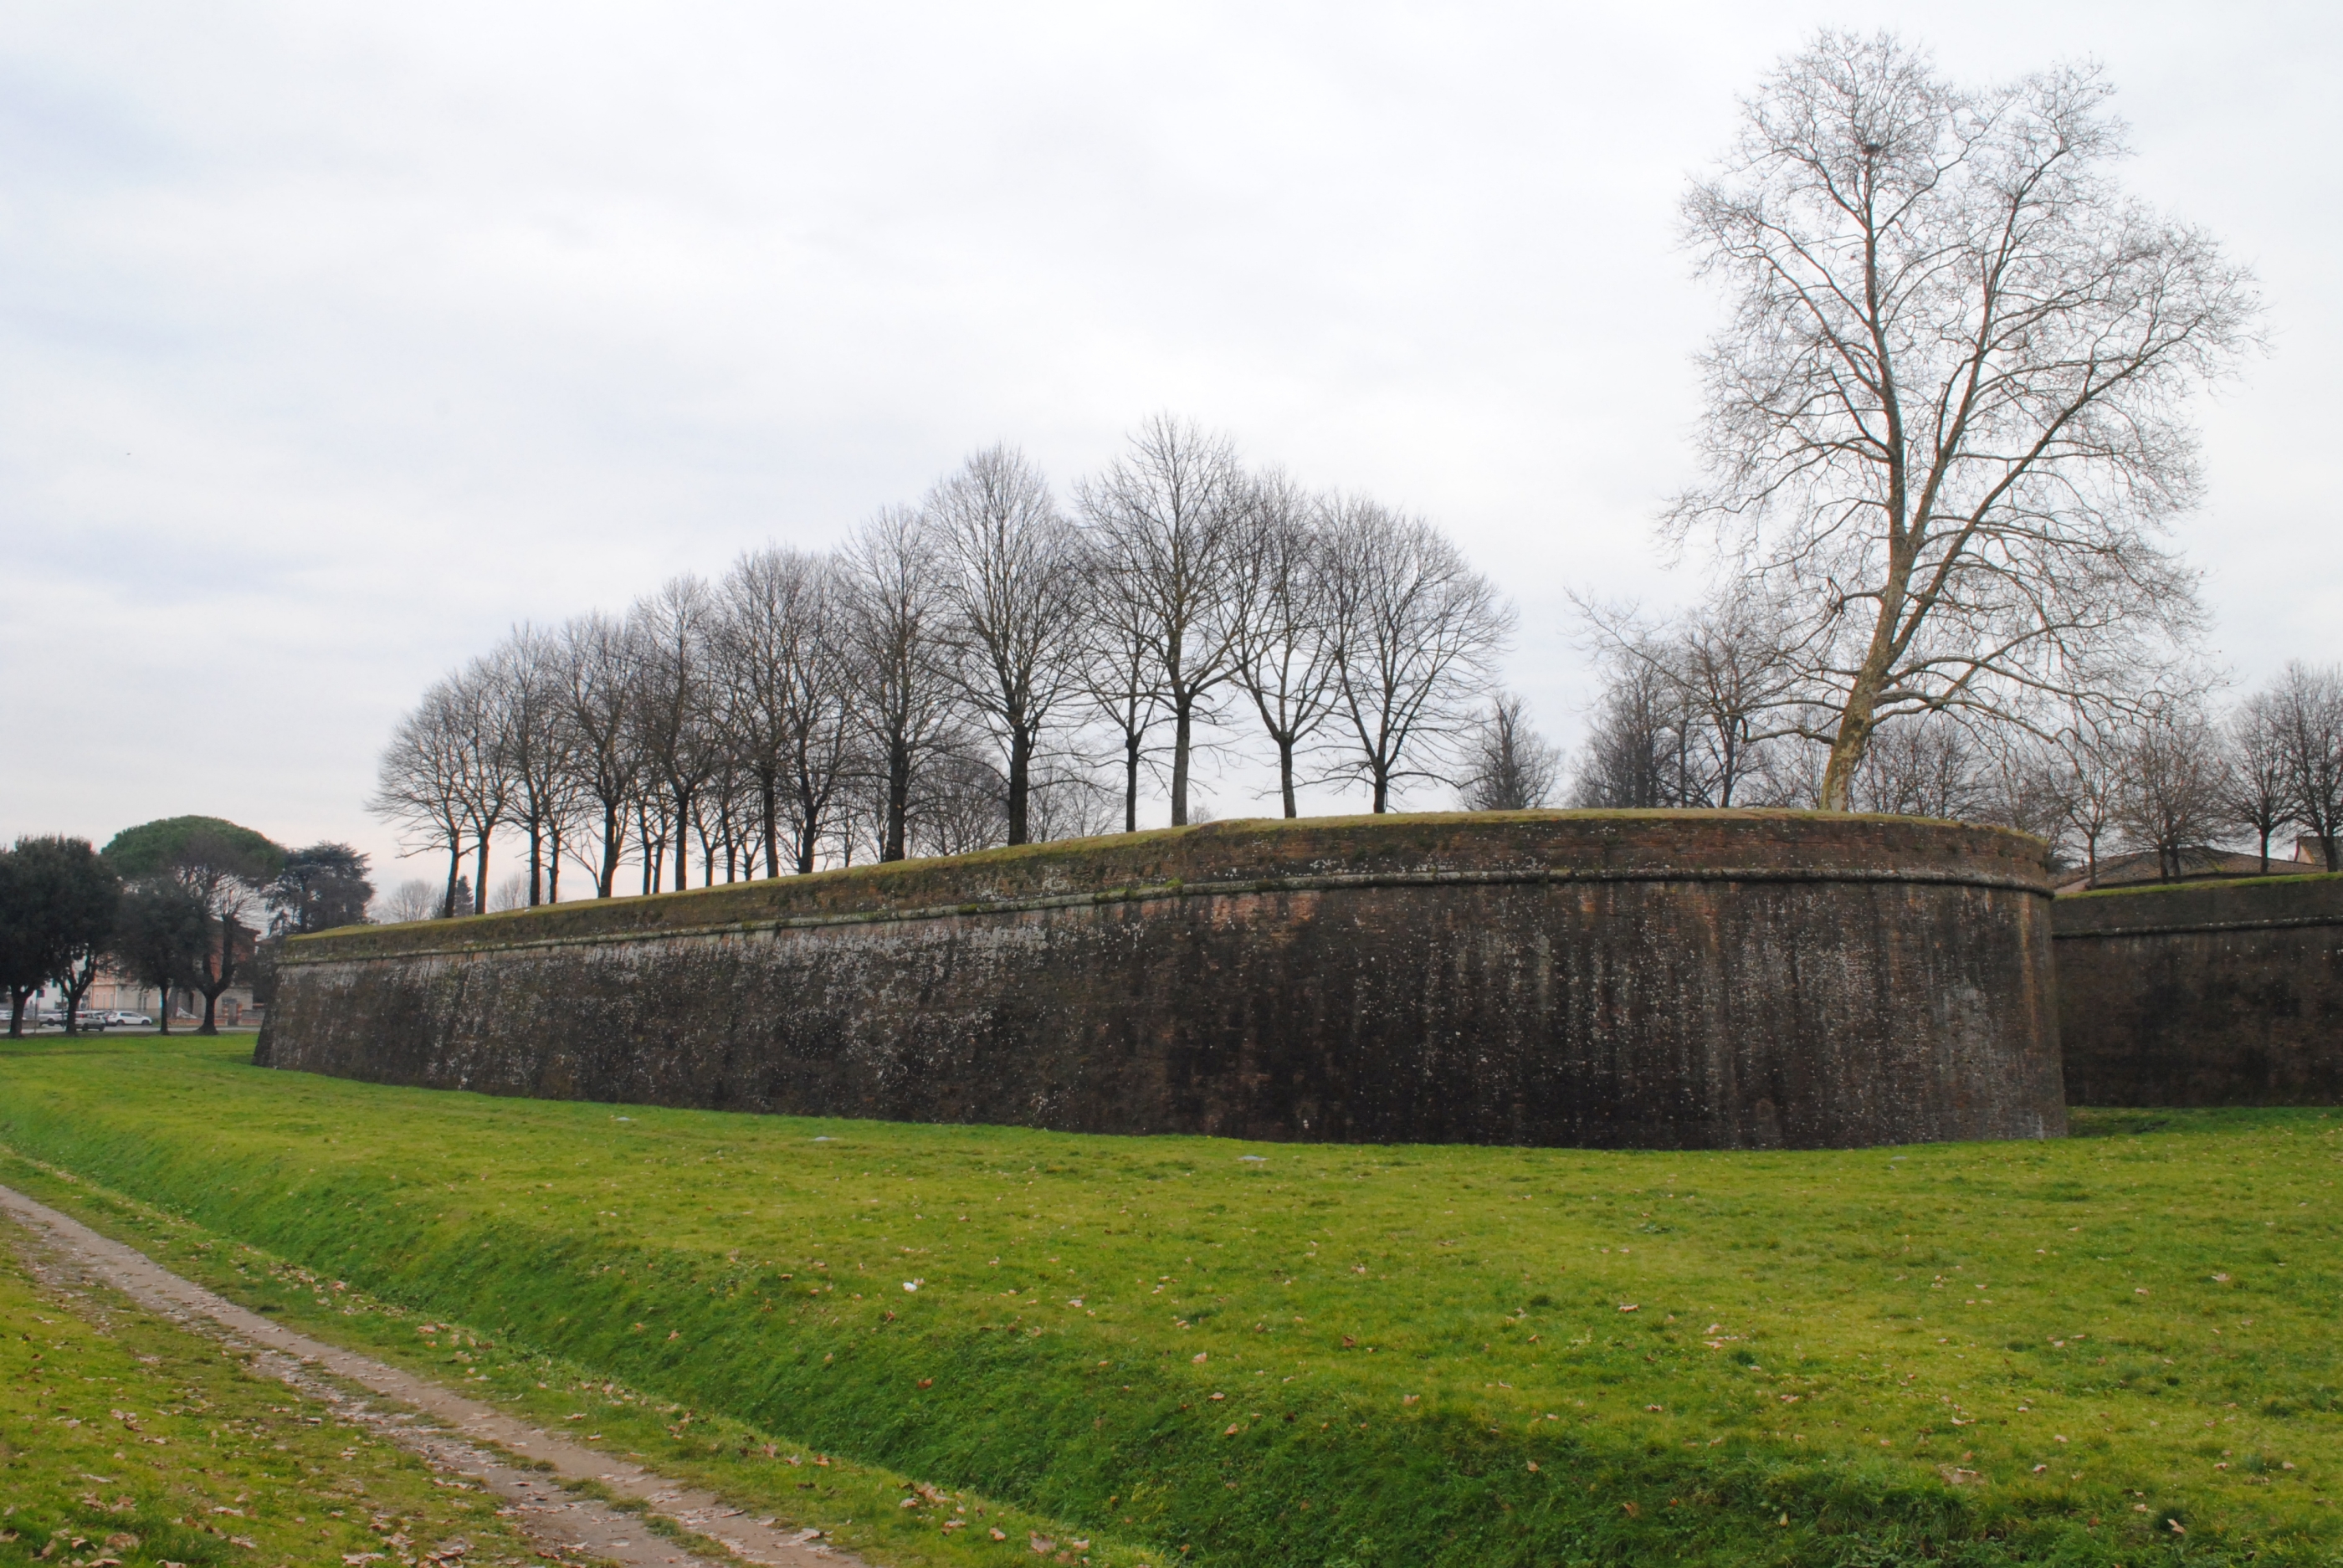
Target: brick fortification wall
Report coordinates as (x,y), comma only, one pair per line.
(2228,994)
(1623,979)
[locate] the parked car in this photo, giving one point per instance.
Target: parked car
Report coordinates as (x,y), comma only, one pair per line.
(131,1020)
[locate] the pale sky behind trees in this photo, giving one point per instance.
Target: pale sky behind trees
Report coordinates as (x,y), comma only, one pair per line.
(334,339)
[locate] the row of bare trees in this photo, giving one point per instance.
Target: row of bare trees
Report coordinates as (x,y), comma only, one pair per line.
(1712,709)
(984,667)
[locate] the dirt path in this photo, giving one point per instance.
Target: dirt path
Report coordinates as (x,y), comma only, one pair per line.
(453,1433)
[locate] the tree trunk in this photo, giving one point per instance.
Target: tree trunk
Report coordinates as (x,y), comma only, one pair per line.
(536,863)
(480,887)
(75,990)
(1382,793)
(1130,744)
(614,836)
(682,841)
(808,834)
(1020,784)
(553,865)
(772,827)
(1285,773)
(1182,727)
(899,801)
(455,871)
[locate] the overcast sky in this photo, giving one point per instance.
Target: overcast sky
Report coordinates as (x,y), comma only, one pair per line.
(334,339)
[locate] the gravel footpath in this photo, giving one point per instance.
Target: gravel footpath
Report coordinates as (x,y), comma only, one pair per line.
(452,1433)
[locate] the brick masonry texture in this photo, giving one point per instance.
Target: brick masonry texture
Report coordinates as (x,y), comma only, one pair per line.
(2230,994)
(1618,980)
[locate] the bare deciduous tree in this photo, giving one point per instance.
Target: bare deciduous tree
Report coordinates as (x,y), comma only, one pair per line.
(413,899)
(1013,573)
(1629,758)
(1168,519)
(2084,772)
(1729,686)
(896,621)
(1508,766)
(1916,769)
(2306,707)
(1119,672)
(1948,415)
(1285,620)
(526,679)
(674,711)
(1418,632)
(2258,798)
(2169,796)
(418,784)
(600,665)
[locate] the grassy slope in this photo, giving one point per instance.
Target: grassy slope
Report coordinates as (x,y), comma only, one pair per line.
(1879,1347)
(125,1437)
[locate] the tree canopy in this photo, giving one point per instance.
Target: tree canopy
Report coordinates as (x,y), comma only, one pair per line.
(195,850)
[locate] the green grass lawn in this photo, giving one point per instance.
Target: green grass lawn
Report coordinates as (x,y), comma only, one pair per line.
(2119,1348)
(125,1438)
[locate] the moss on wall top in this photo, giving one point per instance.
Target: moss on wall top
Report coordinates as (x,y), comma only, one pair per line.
(2248,901)
(1231,856)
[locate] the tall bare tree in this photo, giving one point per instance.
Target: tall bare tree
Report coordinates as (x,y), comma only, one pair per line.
(420,784)
(2169,796)
(1509,766)
(1730,670)
(1913,768)
(1948,415)
(1286,642)
(1418,632)
(826,731)
(764,604)
(675,705)
(2306,711)
(600,674)
(1168,521)
(1012,572)
(525,676)
(1632,757)
(2084,773)
(2258,798)
(896,621)
(477,718)
(1118,667)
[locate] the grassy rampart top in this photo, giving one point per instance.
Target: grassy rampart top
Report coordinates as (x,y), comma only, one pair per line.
(1239,852)
(2247,902)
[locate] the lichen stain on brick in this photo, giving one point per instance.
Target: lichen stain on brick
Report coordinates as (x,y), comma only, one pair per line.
(1654,979)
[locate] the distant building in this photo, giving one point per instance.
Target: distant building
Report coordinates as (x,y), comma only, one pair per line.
(2202,863)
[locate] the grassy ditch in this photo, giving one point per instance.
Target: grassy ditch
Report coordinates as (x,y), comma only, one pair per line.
(126,1439)
(2119,1348)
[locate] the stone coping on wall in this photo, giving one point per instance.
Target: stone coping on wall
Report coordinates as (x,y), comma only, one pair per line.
(2246,904)
(1262,855)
